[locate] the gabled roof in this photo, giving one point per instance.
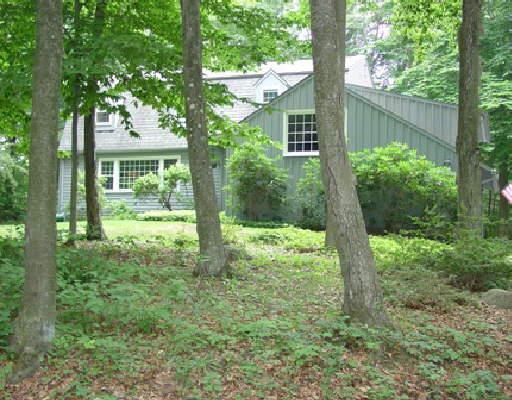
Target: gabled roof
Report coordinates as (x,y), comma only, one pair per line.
(269,73)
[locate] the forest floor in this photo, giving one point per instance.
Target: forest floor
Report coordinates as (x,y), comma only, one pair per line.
(133,323)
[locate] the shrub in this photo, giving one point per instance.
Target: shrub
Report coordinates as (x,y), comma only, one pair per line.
(169,216)
(150,185)
(311,197)
(258,184)
(13,187)
(121,210)
(397,189)
(476,264)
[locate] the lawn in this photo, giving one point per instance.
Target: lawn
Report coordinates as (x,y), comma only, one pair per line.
(135,324)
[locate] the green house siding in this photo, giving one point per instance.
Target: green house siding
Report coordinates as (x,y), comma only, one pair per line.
(368,125)
(150,203)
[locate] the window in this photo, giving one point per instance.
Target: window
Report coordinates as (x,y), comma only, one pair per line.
(269,95)
(301,135)
(104,118)
(131,170)
(168,163)
(107,173)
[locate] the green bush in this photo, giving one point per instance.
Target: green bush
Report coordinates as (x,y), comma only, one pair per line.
(475,264)
(13,188)
(169,216)
(121,210)
(258,184)
(151,185)
(397,189)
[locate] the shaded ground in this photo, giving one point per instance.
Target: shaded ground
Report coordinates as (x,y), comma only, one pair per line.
(134,324)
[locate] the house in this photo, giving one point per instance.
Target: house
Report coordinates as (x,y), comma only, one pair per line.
(373,118)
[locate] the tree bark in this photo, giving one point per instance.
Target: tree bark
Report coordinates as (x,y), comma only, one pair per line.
(504,210)
(34,328)
(74,140)
(330,229)
(363,299)
(94,227)
(469,176)
(212,260)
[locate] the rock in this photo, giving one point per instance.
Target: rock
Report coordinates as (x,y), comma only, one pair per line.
(498,298)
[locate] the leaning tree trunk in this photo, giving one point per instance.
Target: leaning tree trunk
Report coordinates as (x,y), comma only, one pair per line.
(74,138)
(35,326)
(363,299)
(504,210)
(469,177)
(94,228)
(330,229)
(212,255)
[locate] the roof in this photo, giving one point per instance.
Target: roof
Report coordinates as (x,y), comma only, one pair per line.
(240,84)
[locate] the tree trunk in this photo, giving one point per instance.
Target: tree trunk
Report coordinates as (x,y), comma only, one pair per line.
(469,177)
(35,326)
(94,228)
(363,300)
(330,229)
(212,255)
(74,141)
(504,229)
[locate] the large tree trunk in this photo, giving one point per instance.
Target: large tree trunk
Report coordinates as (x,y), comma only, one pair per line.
(74,140)
(35,325)
(469,177)
(330,229)
(212,255)
(504,210)
(94,228)
(363,300)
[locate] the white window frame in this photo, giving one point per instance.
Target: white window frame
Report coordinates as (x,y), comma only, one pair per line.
(117,160)
(109,123)
(276,91)
(286,153)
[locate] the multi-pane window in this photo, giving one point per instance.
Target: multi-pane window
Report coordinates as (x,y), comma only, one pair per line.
(168,163)
(131,170)
(269,95)
(302,136)
(107,173)
(103,118)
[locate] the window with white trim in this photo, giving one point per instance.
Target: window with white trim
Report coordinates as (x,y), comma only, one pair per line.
(269,95)
(107,173)
(169,162)
(301,135)
(131,170)
(104,118)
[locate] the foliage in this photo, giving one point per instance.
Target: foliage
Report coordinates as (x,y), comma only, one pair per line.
(130,310)
(176,216)
(151,185)
(13,187)
(121,210)
(258,184)
(476,264)
(413,192)
(310,197)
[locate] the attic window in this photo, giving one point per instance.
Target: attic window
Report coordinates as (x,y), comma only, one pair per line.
(103,118)
(269,95)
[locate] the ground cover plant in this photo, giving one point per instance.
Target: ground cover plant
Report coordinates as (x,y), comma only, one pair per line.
(134,323)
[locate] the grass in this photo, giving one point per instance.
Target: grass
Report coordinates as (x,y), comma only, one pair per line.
(134,323)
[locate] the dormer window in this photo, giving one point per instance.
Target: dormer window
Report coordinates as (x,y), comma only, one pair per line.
(269,95)
(103,118)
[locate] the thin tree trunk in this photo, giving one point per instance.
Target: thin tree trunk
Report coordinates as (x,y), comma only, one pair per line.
(35,326)
(469,177)
(504,210)
(94,228)
(212,254)
(74,140)
(363,300)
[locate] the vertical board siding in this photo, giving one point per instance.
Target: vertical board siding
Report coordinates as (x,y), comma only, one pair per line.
(372,121)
